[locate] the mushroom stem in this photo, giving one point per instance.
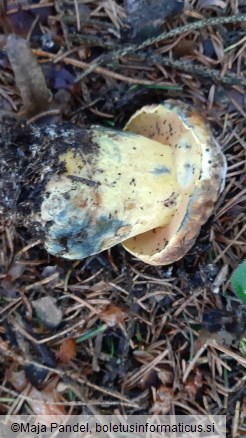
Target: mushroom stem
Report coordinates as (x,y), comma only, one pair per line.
(114,187)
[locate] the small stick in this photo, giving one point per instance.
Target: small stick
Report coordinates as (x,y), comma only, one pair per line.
(238,18)
(86,181)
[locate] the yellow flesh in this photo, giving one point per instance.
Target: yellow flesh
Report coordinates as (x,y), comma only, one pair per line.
(167,127)
(131,184)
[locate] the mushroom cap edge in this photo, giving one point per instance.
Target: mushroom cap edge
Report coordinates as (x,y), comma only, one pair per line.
(207,188)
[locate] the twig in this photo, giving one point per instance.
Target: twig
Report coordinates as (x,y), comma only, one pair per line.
(16,394)
(228,79)
(92,40)
(100,70)
(194,361)
(51,112)
(193,26)
(21,329)
(230,244)
(58,7)
(115,55)
(188,67)
(230,354)
(77,15)
(85,22)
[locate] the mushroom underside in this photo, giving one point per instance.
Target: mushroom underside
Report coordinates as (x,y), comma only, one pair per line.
(200,172)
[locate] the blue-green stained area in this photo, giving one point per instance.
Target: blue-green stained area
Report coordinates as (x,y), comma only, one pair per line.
(76,236)
(54,248)
(97,235)
(161,170)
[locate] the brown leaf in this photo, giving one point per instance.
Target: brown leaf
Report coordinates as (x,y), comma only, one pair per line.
(194,383)
(163,401)
(28,75)
(113,315)
(67,350)
(184,48)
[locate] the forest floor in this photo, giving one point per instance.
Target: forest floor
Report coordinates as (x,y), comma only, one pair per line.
(115,335)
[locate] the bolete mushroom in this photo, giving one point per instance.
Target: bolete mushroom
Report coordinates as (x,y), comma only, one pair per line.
(150,187)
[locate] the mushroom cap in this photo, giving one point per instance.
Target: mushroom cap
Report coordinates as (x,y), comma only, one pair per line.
(200,171)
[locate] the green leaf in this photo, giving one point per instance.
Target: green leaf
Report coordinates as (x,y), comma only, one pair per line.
(242,347)
(91,333)
(238,281)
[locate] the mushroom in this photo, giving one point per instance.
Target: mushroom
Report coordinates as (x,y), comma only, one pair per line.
(150,187)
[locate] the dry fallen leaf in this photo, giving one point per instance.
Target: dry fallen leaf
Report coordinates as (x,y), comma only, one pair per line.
(113,315)
(163,401)
(194,383)
(28,75)
(67,350)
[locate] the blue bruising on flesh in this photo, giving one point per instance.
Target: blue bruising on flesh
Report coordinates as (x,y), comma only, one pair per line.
(80,235)
(61,216)
(98,234)
(161,170)
(54,248)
